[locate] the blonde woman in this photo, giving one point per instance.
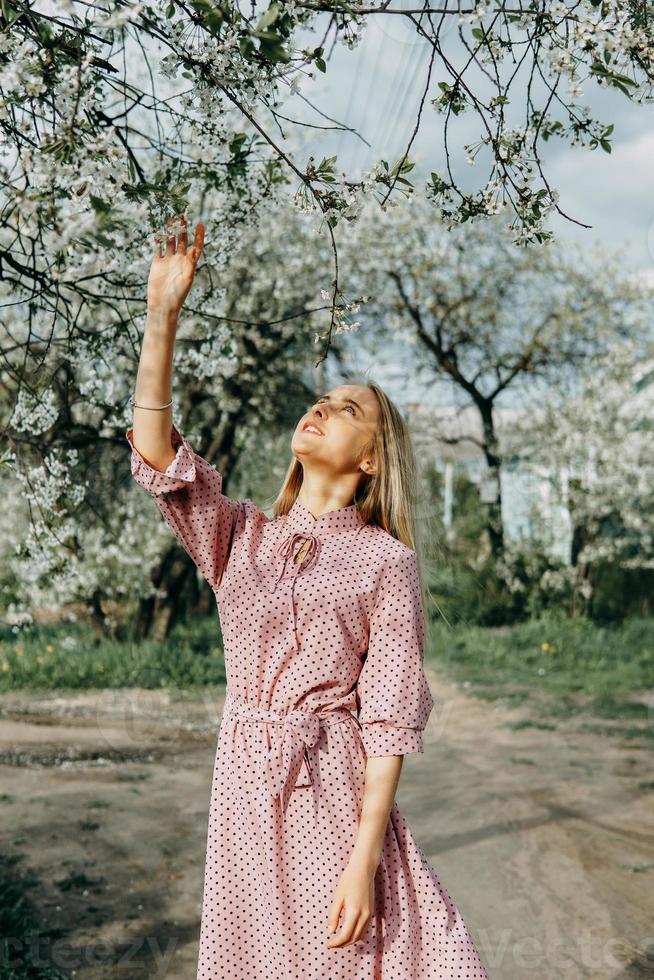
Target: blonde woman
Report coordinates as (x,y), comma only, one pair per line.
(311,869)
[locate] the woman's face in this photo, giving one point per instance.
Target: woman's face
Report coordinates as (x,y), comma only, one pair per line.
(336,428)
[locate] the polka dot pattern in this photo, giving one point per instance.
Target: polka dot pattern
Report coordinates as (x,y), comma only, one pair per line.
(324,638)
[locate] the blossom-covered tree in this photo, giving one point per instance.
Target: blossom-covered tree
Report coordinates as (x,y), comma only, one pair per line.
(597,447)
(488,324)
(117,115)
(85,544)
(104,150)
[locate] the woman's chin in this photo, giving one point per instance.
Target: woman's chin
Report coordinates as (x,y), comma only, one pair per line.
(306,442)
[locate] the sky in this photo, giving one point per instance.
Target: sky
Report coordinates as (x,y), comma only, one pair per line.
(376,89)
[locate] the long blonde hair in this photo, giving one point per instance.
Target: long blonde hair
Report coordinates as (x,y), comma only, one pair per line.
(388,498)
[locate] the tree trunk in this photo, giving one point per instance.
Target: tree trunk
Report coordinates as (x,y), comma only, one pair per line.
(97,616)
(157,614)
(494,523)
(579,540)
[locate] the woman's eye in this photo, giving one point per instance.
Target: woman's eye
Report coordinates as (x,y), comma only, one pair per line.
(351,407)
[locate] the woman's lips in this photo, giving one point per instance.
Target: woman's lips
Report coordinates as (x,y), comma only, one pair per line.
(312,425)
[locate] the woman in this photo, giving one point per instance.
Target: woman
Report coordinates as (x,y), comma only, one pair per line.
(311,870)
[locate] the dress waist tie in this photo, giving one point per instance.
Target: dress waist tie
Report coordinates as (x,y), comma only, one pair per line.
(289,754)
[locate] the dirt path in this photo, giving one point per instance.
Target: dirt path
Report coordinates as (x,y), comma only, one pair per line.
(544,838)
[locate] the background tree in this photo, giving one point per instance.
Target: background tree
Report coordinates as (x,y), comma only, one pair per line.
(117,115)
(232,394)
(601,441)
(497,327)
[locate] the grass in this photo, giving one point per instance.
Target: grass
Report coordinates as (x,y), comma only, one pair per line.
(552,661)
(556,661)
(69,657)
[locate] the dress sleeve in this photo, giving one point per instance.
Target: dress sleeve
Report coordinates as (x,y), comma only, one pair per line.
(189,495)
(393,693)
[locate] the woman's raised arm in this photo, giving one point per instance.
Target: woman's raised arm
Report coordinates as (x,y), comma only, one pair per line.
(169,282)
(186,488)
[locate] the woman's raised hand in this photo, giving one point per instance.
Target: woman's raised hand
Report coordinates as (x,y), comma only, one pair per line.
(171,273)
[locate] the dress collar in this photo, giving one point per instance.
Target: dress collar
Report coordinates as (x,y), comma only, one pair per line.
(299,518)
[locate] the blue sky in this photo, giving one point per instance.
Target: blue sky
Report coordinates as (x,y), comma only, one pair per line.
(377,87)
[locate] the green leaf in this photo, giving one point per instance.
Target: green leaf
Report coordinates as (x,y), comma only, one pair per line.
(623,78)
(99,206)
(274,50)
(269,17)
(614,78)
(246,47)
(236,142)
(212,15)
(7,10)
(606,146)
(104,239)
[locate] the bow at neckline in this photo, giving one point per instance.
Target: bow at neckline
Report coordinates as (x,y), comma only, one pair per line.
(300,526)
(287,549)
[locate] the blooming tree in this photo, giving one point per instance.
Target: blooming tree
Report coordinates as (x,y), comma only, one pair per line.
(117,115)
(81,542)
(598,448)
(491,327)
(102,152)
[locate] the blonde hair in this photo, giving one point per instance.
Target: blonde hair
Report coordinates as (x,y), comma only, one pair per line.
(387,498)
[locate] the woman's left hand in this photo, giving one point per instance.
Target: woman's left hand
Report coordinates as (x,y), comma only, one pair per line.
(355,895)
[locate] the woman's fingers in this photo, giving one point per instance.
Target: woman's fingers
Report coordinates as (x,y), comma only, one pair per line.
(198,241)
(182,241)
(334,913)
(178,243)
(360,927)
(353,927)
(170,239)
(343,938)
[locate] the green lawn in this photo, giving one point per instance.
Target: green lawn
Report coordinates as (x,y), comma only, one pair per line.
(555,660)
(69,657)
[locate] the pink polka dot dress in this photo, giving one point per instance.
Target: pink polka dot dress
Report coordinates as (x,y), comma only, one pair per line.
(324,637)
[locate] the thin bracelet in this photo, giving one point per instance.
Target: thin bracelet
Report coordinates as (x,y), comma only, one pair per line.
(154,408)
